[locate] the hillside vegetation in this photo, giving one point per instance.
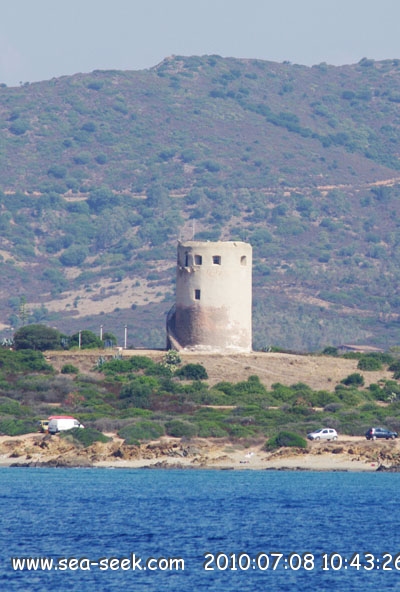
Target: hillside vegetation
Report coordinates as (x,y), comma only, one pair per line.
(102,173)
(144,395)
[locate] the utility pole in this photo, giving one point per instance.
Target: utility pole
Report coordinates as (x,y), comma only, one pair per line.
(23,311)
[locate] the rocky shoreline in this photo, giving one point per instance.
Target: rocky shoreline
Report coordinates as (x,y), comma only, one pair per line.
(349,454)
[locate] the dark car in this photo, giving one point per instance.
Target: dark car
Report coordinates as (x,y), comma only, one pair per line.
(374,433)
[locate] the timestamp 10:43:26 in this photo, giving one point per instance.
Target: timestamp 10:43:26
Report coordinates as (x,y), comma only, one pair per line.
(306,561)
(365,561)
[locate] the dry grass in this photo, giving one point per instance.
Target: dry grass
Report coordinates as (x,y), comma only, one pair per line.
(319,372)
(105,297)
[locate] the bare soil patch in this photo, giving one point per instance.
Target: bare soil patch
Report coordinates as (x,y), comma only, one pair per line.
(105,298)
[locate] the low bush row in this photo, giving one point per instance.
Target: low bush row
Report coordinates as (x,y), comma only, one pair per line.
(142,400)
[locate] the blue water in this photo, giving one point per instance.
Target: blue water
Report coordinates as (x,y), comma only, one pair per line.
(105,513)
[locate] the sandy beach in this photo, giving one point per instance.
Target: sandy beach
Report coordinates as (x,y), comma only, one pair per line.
(346,454)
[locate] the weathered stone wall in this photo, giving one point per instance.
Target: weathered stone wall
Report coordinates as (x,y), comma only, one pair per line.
(214,295)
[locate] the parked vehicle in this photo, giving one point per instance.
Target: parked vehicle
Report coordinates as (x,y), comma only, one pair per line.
(43,425)
(374,433)
(62,423)
(323,434)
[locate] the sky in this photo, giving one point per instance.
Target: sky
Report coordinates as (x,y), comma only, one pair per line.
(43,39)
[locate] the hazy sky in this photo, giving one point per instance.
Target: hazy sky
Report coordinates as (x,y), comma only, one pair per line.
(42,39)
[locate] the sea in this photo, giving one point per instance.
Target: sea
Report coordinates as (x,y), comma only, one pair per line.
(169,530)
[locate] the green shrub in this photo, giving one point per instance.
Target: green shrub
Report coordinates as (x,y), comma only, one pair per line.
(19,127)
(179,429)
(395,366)
(245,390)
(37,337)
(141,430)
(87,340)
(353,379)
(384,358)
(211,429)
(225,387)
(377,392)
(323,398)
(115,367)
(139,391)
(69,369)
(237,430)
(333,407)
(86,436)
(160,370)
(282,393)
(192,372)
(285,439)
(369,407)
(101,158)
(57,171)
(23,361)
(132,364)
(330,351)
(132,413)
(388,392)
(73,256)
(203,396)
(141,363)
(83,157)
(369,363)
(352,355)
(17,427)
(11,407)
(348,396)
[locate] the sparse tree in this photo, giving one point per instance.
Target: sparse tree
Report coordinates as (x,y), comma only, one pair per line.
(37,337)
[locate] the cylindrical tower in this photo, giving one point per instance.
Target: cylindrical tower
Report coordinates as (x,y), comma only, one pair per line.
(213,296)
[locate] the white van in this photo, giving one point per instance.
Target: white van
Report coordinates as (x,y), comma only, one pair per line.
(61,423)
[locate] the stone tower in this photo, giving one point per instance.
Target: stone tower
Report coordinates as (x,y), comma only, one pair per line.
(213,297)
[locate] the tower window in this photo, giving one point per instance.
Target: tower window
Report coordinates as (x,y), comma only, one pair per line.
(198,259)
(216,260)
(186,259)
(197,294)
(243,260)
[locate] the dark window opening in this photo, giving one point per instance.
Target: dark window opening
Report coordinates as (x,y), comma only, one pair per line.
(243,260)
(216,260)
(197,294)
(198,259)
(186,259)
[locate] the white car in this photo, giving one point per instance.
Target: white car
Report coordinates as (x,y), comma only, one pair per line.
(323,434)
